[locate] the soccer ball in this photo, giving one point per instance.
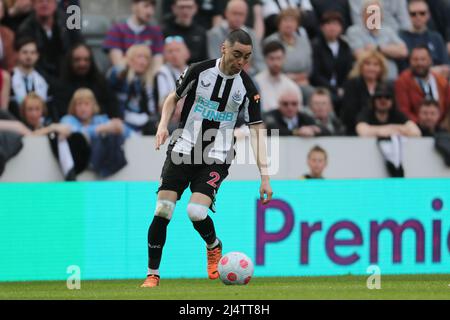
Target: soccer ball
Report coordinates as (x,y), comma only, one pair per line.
(235,268)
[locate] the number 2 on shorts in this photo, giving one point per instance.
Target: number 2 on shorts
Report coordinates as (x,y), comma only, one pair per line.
(215,177)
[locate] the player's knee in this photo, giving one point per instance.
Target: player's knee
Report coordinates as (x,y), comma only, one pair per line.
(164,209)
(197,212)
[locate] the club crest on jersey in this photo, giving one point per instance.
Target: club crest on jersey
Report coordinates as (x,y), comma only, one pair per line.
(237,97)
(208,110)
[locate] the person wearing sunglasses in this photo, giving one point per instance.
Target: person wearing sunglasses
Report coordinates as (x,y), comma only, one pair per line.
(289,120)
(419,34)
(382,119)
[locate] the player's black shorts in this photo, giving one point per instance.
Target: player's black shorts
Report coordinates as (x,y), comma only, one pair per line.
(201,178)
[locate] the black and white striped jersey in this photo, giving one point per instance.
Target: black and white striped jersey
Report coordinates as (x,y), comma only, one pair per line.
(213,102)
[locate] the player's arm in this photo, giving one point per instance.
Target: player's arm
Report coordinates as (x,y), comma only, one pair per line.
(167,111)
(184,84)
(258,142)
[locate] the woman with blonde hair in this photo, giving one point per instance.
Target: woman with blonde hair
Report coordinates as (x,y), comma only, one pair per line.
(105,137)
(135,90)
(83,117)
(368,72)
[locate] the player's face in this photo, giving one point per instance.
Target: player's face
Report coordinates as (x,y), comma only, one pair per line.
(317,163)
(236,56)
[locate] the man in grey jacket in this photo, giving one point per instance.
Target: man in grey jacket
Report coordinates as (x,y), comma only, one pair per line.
(235,17)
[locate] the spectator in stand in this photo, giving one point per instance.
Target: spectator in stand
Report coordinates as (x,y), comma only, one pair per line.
(47,26)
(272,81)
(209,13)
(182,24)
(7,53)
(137,29)
(255,18)
(289,120)
(321,110)
(176,55)
(421,35)
(369,70)
(429,118)
(25,77)
(84,117)
(5,89)
(440,11)
(35,123)
(80,71)
(34,115)
(135,90)
(369,36)
(273,8)
(382,119)
(317,162)
(299,62)
(395,13)
(341,6)
(333,58)
(9,123)
(235,16)
(105,136)
(16,12)
(420,82)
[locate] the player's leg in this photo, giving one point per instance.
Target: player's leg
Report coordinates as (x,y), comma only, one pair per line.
(157,233)
(174,180)
(197,209)
(204,189)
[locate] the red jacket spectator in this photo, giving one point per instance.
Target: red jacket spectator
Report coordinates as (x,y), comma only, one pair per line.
(8,58)
(410,95)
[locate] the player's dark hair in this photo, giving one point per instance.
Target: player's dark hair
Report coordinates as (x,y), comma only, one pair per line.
(273,46)
(239,36)
(317,148)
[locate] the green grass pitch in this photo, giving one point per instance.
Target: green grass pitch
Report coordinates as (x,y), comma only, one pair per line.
(341,287)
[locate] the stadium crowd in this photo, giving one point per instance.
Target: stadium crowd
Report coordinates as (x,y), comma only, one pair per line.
(323,68)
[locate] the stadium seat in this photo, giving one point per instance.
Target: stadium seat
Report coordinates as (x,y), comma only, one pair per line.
(94,30)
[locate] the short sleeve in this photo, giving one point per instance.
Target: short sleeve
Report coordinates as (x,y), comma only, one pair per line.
(187,81)
(253,110)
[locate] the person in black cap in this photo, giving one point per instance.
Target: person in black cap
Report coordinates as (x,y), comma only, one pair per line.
(383,119)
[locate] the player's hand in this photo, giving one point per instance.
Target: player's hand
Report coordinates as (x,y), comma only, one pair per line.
(264,190)
(161,137)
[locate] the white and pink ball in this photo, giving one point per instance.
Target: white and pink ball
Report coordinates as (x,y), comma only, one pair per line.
(235,268)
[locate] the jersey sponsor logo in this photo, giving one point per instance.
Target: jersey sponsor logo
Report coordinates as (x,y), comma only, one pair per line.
(208,110)
(204,84)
